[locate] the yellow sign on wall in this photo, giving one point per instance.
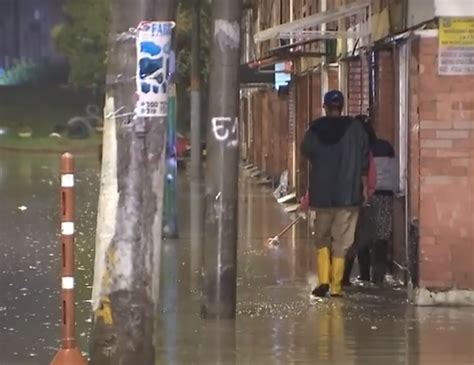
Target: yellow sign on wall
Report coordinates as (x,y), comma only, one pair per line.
(456,46)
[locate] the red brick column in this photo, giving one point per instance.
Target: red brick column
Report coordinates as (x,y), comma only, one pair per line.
(446,173)
(358,87)
(384,122)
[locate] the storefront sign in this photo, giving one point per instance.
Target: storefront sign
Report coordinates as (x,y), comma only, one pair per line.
(456,46)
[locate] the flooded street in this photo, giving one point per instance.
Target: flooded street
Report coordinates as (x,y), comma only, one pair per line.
(30,257)
(276,321)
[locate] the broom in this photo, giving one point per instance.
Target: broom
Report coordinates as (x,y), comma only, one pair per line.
(275,241)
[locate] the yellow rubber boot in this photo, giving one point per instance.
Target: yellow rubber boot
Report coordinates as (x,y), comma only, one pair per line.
(323,258)
(338,264)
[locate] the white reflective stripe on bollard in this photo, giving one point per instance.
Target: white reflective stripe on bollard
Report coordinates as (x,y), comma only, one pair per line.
(67,228)
(68,282)
(67,181)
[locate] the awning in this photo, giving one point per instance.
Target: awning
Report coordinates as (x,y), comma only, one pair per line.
(299,28)
(252,76)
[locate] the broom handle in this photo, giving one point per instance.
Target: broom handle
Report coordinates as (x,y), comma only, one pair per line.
(289,226)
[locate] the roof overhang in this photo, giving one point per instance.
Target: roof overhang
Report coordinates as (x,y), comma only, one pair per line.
(250,75)
(299,28)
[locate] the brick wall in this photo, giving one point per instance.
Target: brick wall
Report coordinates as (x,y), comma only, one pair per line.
(445,110)
(316,99)
(277,134)
(358,86)
(303,108)
(384,122)
(292,148)
(267,140)
(333,78)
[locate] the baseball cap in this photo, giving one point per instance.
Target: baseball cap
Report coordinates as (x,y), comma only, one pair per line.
(334,98)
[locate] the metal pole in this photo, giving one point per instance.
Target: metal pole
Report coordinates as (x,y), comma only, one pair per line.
(343,66)
(196,91)
(170,205)
(69,354)
(220,246)
(170,209)
(131,202)
(323,6)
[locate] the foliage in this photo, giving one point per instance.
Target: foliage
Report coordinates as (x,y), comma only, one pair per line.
(184,32)
(21,73)
(25,72)
(83,39)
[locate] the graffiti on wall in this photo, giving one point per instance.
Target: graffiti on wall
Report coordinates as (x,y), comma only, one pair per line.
(225,130)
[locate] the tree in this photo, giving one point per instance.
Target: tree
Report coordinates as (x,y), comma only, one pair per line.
(184,30)
(83,39)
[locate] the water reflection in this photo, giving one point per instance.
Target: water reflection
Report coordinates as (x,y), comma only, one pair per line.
(276,322)
(197,225)
(171,297)
(30,255)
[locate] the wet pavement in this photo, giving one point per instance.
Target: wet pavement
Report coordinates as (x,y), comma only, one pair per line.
(276,322)
(30,256)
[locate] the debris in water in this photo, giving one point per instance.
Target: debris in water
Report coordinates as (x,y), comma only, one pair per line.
(22,208)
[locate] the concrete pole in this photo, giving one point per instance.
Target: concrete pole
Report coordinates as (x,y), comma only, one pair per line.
(222,173)
(196,152)
(197,227)
(130,205)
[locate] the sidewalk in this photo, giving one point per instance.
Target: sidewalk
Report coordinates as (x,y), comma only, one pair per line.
(277,323)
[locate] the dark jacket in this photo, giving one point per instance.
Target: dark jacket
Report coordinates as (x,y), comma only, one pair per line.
(337,149)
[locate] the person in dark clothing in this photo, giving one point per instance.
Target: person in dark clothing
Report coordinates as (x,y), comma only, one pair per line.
(382,207)
(337,149)
(363,236)
(372,238)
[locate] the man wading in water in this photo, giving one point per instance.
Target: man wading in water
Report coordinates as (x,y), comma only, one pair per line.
(337,149)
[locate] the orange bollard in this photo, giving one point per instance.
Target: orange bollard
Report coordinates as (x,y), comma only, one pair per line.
(69,354)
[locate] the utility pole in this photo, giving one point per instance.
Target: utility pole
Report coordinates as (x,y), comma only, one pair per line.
(196,91)
(170,209)
(128,241)
(222,172)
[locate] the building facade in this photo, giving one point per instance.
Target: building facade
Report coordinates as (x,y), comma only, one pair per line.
(409,65)
(25,30)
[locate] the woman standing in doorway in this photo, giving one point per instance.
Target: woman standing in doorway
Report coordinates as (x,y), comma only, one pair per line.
(375,223)
(382,207)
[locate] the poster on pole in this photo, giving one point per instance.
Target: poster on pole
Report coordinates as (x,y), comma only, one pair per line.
(153,68)
(456,46)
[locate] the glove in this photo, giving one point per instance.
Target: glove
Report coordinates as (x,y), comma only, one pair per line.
(304,202)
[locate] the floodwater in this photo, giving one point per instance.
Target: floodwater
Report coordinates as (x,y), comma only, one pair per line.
(276,322)
(30,256)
